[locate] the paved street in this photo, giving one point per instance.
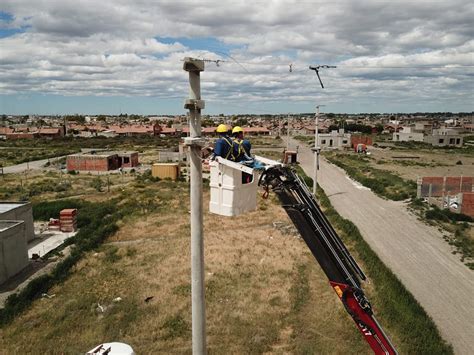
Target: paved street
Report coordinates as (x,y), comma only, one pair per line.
(414,251)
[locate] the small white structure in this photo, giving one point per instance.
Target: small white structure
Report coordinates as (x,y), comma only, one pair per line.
(114,348)
(234,186)
(408,134)
(13,250)
(444,137)
(19,211)
(334,140)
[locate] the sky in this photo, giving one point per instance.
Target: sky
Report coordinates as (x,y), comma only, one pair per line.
(118,56)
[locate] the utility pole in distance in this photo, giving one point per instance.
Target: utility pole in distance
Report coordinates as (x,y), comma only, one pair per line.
(288,133)
(195,143)
(316,150)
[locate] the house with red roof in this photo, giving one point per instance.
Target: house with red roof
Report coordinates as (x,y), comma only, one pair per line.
(51,132)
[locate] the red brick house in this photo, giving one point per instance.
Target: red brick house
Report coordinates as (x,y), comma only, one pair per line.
(101,161)
(51,132)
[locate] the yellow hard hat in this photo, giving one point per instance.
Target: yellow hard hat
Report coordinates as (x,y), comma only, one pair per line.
(222,128)
(237,129)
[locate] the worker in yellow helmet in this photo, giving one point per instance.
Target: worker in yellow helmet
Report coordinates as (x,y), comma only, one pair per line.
(242,152)
(243,146)
(224,146)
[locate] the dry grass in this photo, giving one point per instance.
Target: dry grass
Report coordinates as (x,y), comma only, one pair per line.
(48,185)
(264,292)
(437,162)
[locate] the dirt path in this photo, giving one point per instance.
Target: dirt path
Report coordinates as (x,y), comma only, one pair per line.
(414,251)
(32,165)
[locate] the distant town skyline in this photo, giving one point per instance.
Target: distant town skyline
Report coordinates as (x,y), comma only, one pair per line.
(112,57)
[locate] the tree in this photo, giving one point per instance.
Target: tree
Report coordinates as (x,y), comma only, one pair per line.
(241,122)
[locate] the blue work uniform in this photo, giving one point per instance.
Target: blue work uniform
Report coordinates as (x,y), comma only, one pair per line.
(224,148)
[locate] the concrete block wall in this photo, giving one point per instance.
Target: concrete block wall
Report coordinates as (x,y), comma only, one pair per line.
(23,212)
(13,249)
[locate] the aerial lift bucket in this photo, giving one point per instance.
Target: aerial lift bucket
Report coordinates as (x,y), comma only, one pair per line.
(234,186)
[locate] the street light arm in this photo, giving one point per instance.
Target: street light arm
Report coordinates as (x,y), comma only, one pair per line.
(316,70)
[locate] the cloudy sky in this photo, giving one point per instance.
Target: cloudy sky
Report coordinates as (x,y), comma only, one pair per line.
(89,56)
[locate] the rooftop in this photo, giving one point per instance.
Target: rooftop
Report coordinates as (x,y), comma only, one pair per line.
(4,225)
(102,153)
(8,206)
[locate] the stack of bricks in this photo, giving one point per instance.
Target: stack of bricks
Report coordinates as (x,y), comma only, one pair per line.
(68,220)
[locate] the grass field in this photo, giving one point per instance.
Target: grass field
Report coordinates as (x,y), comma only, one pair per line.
(382,182)
(20,151)
(264,291)
(39,185)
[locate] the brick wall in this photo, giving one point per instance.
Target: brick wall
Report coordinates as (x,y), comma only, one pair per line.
(87,163)
(132,160)
(14,136)
(436,183)
(467,206)
(458,184)
(357,139)
(444,185)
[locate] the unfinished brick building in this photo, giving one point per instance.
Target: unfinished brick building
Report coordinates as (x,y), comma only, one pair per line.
(101,161)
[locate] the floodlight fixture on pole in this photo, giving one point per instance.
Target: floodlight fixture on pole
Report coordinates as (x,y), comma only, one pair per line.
(195,143)
(316,150)
(316,69)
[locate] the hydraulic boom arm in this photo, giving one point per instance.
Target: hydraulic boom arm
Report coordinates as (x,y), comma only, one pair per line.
(343,272)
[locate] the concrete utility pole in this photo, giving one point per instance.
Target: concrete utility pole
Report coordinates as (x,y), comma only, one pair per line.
(316,150)
(195,143)
(288,133)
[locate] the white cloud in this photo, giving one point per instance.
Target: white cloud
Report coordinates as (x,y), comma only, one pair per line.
(112,47)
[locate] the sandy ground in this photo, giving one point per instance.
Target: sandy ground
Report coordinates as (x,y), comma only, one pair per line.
(414,251)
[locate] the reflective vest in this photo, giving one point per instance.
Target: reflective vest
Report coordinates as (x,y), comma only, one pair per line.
(242,151)
(225,148)
(230,152)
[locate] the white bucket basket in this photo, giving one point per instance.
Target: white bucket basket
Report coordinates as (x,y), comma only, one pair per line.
(230,196)
(234,187)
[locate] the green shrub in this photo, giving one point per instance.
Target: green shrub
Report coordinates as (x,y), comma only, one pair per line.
(97,184)
(446,215)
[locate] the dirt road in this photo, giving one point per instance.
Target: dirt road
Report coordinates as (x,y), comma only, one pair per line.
(414,251)
(32,165)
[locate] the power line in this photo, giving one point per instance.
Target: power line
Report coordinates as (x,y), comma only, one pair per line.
(342,66)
